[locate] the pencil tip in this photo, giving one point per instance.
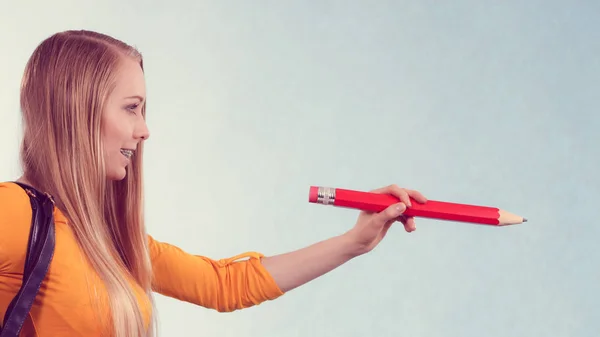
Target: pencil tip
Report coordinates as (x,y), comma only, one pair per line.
(524,219)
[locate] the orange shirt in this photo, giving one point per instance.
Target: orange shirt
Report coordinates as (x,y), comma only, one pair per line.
(72,300)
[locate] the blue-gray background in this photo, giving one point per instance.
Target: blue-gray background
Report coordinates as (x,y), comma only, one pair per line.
(250,103)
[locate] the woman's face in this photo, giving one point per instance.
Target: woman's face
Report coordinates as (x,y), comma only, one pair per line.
(123,126)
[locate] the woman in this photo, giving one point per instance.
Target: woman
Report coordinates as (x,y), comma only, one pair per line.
(83,102)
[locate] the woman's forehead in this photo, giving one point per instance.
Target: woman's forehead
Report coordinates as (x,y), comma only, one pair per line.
(130,82)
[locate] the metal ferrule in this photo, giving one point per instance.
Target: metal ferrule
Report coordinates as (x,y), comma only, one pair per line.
(326,195)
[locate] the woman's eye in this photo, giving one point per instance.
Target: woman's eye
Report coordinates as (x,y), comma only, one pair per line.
(132,108)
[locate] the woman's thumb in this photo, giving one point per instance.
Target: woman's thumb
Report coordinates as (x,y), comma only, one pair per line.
(391,213)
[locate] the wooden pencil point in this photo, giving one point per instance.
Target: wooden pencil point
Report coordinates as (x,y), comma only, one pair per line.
(507,218)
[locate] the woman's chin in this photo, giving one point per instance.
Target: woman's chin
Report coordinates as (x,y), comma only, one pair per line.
(118,174)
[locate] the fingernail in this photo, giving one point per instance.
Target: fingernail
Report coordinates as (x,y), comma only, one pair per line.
(400,207)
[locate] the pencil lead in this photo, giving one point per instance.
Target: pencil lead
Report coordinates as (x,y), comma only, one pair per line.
(524,219)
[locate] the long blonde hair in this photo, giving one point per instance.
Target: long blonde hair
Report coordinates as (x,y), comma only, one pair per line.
(65,87)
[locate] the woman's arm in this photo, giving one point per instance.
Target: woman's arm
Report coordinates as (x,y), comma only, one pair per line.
(236,283)
(293,269)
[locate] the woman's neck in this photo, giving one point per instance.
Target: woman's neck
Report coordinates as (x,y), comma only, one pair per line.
(24,180)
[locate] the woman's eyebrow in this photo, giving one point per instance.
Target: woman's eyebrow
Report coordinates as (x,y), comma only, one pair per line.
(140,98)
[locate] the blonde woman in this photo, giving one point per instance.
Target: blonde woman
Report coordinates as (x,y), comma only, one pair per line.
(83,103)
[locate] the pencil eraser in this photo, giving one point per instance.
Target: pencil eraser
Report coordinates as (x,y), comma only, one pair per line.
(313,194)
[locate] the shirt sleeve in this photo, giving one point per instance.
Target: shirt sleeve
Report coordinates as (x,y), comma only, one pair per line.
(224,285)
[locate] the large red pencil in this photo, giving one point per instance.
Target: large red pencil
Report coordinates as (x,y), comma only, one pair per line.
(375,202)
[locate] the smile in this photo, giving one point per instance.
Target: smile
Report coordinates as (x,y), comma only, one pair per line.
(127,153)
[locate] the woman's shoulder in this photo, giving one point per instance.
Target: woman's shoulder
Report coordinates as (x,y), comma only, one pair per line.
(10,191)
(15,225)
(14,204)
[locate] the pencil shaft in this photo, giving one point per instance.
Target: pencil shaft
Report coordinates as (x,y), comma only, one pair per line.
(375,202)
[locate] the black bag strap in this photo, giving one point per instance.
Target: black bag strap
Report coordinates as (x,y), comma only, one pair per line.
(40,250)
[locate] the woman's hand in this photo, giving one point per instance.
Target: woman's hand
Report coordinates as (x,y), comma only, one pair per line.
(371,228)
